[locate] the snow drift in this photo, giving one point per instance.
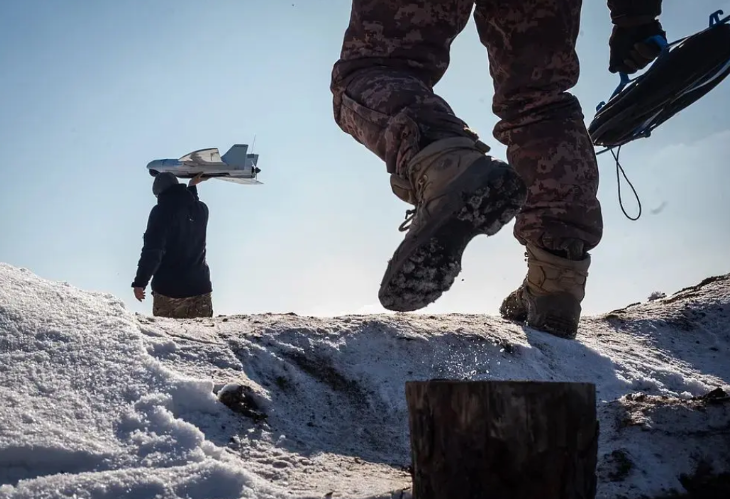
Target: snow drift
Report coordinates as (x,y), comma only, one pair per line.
(102,403)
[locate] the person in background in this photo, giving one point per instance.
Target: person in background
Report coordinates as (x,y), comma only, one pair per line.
(392,56)
(174,251)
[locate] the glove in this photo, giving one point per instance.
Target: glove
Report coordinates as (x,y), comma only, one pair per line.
(634,22)
(630,50)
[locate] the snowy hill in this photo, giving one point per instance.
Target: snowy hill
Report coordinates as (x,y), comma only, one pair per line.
(102,403)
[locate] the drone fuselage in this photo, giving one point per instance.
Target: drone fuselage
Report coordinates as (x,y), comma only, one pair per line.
(235,166)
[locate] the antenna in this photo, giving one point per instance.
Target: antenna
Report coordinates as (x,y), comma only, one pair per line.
(254,166)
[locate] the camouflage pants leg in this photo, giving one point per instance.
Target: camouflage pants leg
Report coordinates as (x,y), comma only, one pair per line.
(531,47)
(182,308)
(393,53)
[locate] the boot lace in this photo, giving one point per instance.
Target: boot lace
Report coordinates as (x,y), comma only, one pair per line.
(420,187)
(410,215)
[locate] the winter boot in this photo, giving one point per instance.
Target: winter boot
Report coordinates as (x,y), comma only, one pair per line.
(458,192)
(549,298)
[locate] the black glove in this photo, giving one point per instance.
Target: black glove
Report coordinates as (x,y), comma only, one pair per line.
(634,22)
(630,48)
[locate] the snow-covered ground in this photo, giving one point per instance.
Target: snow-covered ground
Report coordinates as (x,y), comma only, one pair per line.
(98,402)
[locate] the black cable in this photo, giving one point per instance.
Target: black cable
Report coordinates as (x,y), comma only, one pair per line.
(620,169)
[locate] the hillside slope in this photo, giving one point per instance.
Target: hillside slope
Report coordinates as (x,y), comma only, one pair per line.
(103,403)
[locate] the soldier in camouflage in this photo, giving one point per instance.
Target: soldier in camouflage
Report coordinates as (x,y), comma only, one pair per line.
(173,255)
(394,53)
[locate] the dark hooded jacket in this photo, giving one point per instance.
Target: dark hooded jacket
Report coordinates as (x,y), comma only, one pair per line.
(174,245)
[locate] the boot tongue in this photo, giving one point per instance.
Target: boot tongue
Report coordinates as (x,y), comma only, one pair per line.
(482,146)
(403,189)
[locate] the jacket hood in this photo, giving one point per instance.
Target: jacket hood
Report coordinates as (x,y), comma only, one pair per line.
(178,193)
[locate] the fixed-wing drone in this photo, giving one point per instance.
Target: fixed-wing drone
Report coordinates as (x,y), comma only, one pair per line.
(234,166)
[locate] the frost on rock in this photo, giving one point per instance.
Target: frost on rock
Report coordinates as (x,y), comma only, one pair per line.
(103,403)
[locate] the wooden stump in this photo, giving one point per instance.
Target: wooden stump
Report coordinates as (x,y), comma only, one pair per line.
(503,439)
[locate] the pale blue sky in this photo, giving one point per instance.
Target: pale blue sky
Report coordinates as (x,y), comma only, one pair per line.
(92,91)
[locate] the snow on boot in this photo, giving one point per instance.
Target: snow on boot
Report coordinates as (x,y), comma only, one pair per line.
(459,192)
(549,299)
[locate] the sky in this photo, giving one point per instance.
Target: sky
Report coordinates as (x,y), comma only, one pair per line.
(90,92)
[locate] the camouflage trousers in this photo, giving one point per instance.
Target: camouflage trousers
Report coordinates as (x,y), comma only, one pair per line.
(182,308)
(395,51)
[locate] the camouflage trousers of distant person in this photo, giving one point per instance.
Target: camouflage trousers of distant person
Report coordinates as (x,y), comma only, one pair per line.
(182,308)
(395,51)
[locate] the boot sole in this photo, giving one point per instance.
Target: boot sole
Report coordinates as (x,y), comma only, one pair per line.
(423,269)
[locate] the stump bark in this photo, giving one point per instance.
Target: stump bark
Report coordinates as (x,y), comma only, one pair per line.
(503,439)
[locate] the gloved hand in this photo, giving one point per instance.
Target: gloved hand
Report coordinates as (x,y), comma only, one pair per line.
(634,22)
(630,50)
